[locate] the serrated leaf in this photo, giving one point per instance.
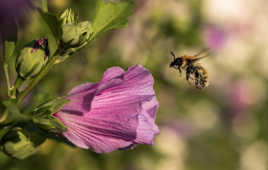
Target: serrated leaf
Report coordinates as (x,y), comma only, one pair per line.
(111,15)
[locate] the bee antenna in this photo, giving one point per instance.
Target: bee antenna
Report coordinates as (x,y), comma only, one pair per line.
(173,55)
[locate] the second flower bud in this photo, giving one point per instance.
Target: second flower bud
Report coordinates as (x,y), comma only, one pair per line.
(32,58)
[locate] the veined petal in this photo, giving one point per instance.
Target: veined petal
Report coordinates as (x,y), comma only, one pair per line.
(112,73)
(151,107)
(146,130)
(82,88)
(117,112)
(109,129)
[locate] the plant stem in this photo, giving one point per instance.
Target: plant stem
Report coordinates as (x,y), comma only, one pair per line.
(42,73)
(18,82)
(7,79)
(44,5)
(14,88)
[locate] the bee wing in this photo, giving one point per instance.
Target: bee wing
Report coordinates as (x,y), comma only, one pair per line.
(199,58)
(205,53)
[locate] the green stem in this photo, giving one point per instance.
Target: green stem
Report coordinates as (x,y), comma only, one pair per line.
(13,90)
(44,5)
(18,82)
(7,79)
(5,66)
(42,73)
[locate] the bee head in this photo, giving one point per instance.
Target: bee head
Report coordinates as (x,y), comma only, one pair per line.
(176,62)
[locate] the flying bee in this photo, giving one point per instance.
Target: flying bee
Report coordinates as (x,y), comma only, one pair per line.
(200,76)
(195,73)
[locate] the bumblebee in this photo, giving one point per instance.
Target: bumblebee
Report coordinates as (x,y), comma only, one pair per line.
(195,73)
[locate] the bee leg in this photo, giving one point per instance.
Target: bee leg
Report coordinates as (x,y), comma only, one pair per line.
(187,76)
(180,71)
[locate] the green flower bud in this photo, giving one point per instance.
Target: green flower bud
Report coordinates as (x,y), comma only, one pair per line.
(76,35)
(85,30)
(50,124)
(20,143)
(67,17)
(30,62)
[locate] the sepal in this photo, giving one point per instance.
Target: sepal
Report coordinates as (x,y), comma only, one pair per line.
(43,117)
(49,107)
(50,124)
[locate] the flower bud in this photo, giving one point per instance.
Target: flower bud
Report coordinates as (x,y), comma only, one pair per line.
(85,31)
(30,62)
(20,143)
(76,35)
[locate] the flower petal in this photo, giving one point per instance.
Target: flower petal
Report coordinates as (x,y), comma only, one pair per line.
(151,107)
(115,113)
(82,88)
(95,131)
(135,86)
(112,73)
(146,130)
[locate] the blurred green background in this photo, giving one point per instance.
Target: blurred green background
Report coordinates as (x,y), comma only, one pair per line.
(223,127)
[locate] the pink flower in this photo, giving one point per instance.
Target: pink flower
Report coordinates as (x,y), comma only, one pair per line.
(118,112)
(215,37)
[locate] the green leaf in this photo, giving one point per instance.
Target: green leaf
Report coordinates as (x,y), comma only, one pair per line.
(111,15)
(53,23)
(9,50)
(42,25)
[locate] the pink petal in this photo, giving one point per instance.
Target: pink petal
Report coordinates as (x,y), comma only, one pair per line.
(117,112)
(151,107)
(146,129)
(82,88)
(100,135)
(112,73)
